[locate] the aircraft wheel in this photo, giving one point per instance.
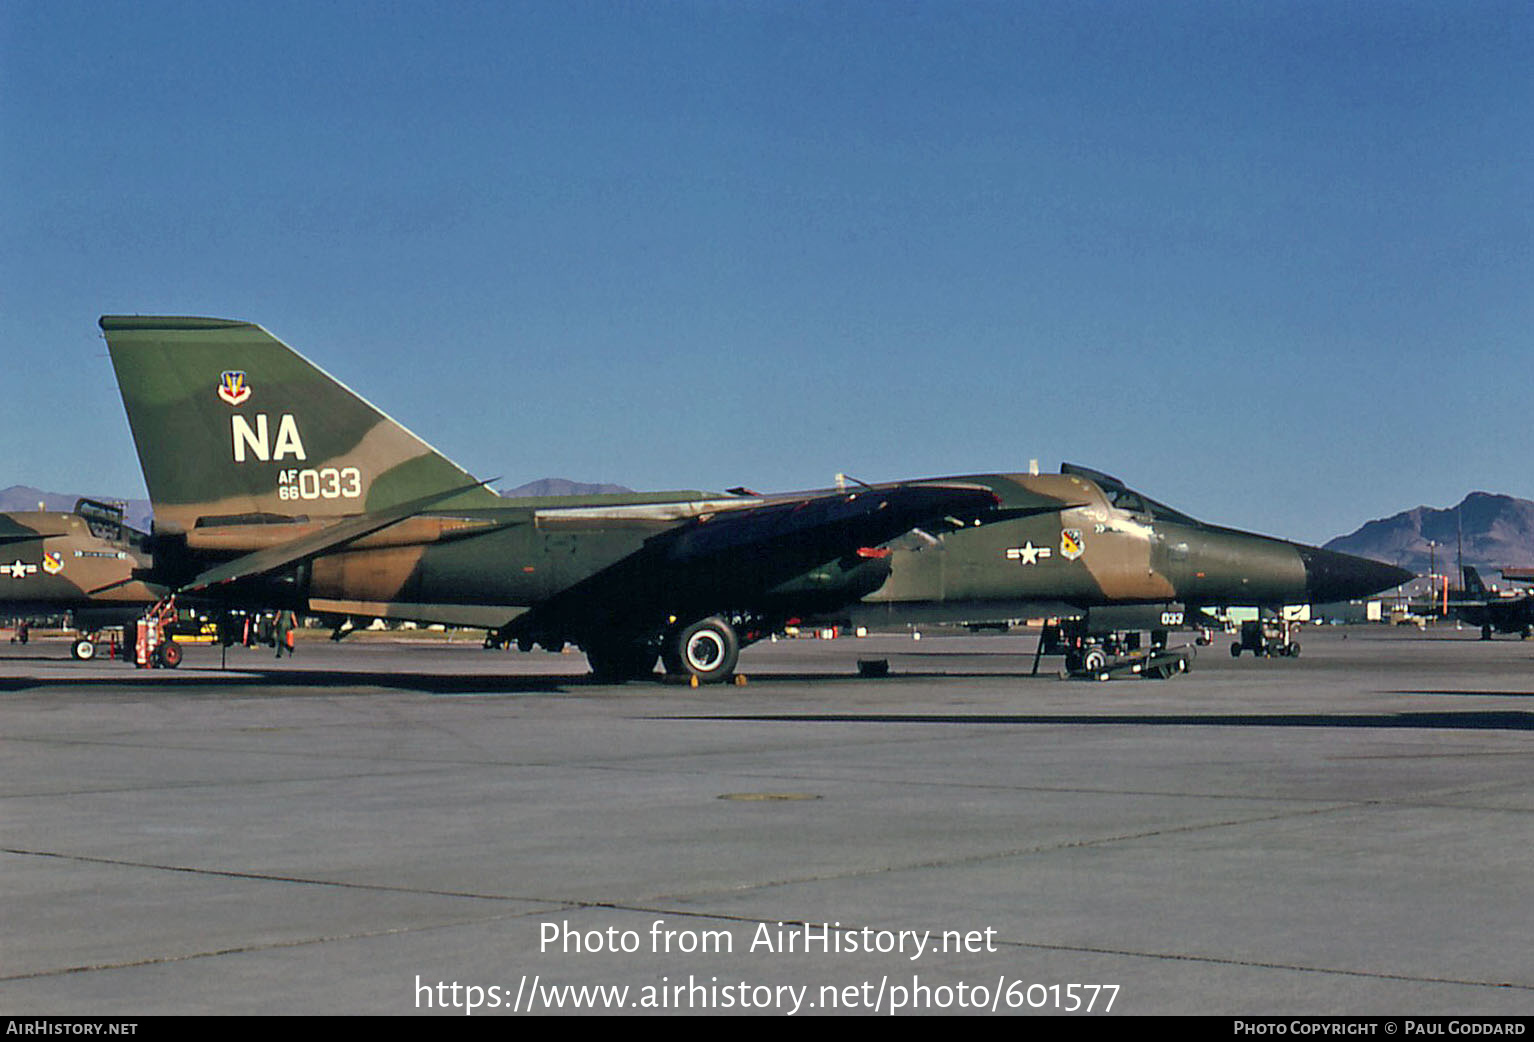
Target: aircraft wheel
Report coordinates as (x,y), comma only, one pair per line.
(873,667)
(168,654)
(707,649)
(1294,651)
(1485,632)
(620,661)
(84,649)
(1235,649)
(1094,660)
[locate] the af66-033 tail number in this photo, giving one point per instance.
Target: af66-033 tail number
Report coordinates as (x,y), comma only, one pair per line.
(324,483)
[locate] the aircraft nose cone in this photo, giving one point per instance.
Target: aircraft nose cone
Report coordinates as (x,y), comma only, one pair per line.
(1330,576)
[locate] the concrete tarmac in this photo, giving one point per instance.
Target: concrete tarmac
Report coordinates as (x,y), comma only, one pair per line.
(402,828)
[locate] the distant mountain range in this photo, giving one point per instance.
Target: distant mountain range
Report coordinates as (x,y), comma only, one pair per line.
(561,487)
(1494,531)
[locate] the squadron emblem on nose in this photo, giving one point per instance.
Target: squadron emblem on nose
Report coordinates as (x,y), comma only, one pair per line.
(1071,543)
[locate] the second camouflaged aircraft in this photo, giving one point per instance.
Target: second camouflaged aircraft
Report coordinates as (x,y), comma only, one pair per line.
(83,563)
(273,483)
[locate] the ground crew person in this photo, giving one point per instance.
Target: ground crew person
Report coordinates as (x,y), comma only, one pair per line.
(287,622)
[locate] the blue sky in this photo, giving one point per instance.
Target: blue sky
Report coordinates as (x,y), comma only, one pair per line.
(1268,262)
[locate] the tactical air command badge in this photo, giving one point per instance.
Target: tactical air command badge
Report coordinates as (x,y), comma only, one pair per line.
(1071,543)
(232,388)
(53,564)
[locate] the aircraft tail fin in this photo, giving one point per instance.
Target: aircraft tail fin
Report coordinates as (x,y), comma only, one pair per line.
(233,425)
(1473,583)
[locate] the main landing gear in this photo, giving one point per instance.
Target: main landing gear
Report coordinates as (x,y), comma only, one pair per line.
(707,649)
(704,651)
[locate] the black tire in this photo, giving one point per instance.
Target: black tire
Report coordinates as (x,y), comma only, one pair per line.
(619,661)
(168,654)
(707,649)
(1235,649)
(1094,660)
(83,649)
(869,667)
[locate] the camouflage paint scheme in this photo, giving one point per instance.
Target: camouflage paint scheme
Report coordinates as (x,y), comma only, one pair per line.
(1104,546)
(273,482)
(52,562)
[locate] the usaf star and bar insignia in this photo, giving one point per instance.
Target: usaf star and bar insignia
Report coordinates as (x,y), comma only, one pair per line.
(1027,553)
(1072,546)
(53,564)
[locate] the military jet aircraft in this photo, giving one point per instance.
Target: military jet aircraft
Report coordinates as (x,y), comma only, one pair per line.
(1105,559)
(82,562)
(1478,606)
(272,483)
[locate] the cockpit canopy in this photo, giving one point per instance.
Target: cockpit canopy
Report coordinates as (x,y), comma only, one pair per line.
(1124,498)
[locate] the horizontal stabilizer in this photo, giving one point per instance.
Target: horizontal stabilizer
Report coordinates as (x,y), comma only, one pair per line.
(334,537)
(129,581)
